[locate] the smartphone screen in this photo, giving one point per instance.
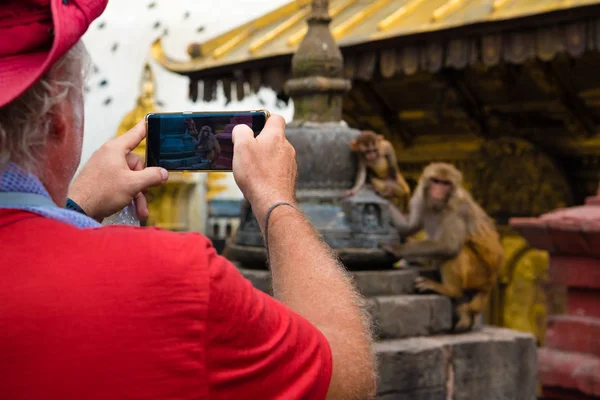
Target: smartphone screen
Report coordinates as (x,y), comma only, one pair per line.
(196,141)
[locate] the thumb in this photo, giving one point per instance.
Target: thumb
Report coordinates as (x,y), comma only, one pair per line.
(148,177)
(242,134)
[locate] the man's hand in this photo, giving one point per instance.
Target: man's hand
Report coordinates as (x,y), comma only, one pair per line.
(264,167)
(114,176)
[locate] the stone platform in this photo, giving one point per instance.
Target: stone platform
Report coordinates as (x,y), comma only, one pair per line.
(419,360)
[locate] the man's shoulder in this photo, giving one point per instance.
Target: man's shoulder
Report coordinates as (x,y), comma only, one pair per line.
(151,242)
(146,244)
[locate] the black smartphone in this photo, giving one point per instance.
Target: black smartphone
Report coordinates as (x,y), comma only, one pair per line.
(201,141)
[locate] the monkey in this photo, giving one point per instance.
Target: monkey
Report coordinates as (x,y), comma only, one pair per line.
(462,240)
(207,144)
(377,162)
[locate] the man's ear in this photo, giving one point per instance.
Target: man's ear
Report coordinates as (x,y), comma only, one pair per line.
(60,122)
(380,138)
(354,145)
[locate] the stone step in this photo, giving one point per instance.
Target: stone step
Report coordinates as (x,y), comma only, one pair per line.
(370,283)
(491,364)
(575,334)
(410,315)
(567,370)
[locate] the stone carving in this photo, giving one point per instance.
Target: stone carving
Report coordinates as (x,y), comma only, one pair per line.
(371,217)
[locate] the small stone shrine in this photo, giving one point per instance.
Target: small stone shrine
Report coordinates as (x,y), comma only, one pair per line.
(418,358)
(569,363)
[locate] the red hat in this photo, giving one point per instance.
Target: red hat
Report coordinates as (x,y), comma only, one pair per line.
(34,34)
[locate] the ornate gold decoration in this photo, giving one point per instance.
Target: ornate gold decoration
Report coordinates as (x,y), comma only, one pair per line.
(171,205)
(213,184)
(521,287)
(511,177)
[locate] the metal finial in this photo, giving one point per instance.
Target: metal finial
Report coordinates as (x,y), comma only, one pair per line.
(317,83)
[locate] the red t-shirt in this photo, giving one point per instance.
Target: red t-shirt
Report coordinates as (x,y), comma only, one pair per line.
(142,313)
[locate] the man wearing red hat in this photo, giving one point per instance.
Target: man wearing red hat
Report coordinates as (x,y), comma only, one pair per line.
(92,312)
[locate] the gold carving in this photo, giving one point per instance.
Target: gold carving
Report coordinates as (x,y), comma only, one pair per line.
(511,177)
(521,288)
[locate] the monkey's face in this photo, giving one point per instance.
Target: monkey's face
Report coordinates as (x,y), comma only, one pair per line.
(370,151)
(439,191)
(205,131)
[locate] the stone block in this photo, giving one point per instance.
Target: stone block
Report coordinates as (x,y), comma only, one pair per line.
(575,334)
(386,282)
(410,315)
(370,283)
(569,371)
(582,272)
(410,365)
(438,393)
(491,364)
(498,361)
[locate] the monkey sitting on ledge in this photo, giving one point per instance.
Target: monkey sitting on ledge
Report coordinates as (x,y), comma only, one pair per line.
(462,240)
(377,159)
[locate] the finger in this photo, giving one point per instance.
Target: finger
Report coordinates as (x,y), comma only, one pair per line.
(135,162)
(275,127)
(132,138)
(141,206)
(146,178)
(242,134)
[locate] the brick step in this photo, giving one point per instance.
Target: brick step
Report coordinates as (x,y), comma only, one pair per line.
(405,316)
(569,370)
(575,334)
(491,364)
(370,283)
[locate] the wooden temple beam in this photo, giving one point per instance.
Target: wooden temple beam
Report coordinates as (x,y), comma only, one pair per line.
(278,30)
(469,101)
(569,98)
(392,19)
(386,112)
(448,8)
(357,18)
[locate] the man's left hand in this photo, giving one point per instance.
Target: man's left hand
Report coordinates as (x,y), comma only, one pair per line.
(114,176)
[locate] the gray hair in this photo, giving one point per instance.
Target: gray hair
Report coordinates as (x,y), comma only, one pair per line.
(26,122)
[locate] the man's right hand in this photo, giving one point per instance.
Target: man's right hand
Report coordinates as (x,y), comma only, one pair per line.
(264,167)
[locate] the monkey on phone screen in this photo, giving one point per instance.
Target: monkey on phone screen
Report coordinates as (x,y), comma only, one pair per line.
(377,163)
(462,240)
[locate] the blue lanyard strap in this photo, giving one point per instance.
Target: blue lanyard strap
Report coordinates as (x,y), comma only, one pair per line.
(20,199)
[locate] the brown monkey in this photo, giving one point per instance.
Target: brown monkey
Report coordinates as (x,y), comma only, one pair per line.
(208,144)
(462,239)
(377,159)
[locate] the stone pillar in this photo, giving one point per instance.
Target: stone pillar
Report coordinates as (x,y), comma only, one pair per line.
(569,364)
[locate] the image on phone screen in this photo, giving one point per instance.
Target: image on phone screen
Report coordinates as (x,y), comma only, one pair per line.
(196,141)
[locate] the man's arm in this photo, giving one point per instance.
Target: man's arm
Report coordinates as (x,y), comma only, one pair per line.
(306,276)
(308,279)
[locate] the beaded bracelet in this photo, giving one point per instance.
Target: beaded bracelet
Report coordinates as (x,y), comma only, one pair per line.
(274,206)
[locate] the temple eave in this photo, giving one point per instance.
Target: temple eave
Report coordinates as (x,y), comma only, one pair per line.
(233,51)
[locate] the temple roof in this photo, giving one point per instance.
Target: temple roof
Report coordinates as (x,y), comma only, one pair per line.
(366,24)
